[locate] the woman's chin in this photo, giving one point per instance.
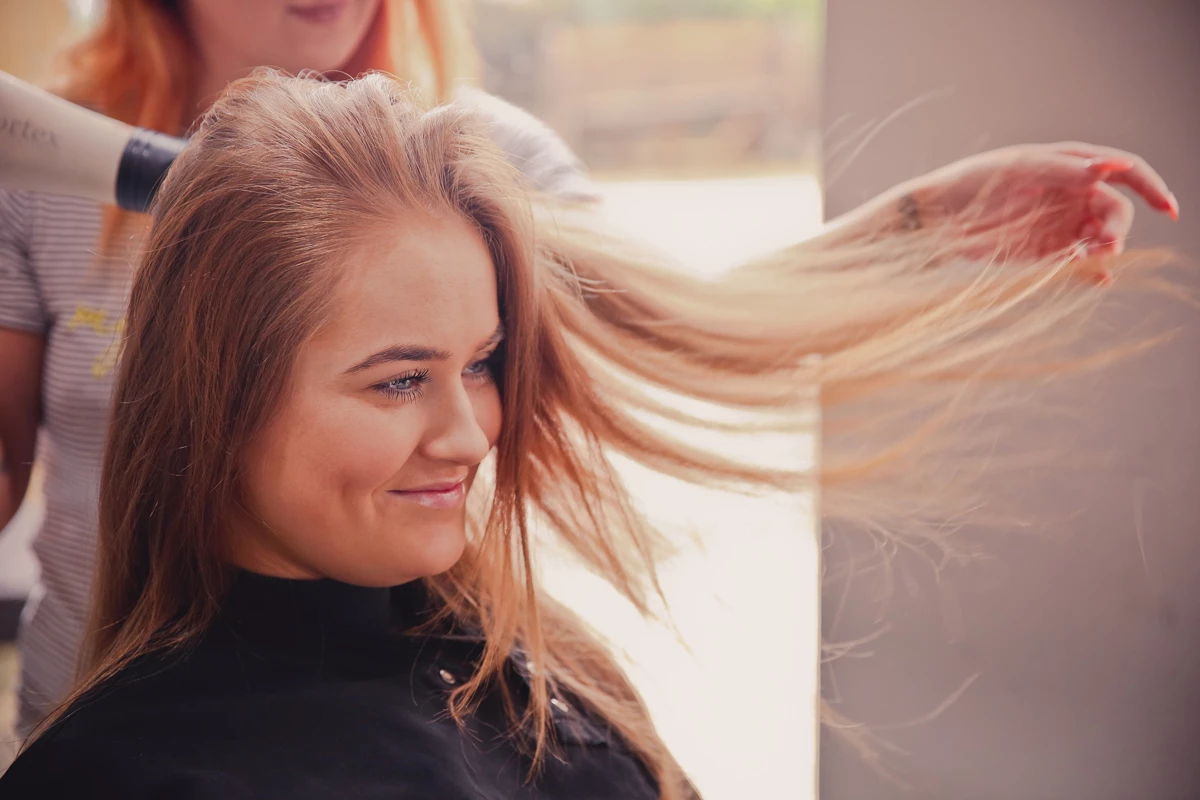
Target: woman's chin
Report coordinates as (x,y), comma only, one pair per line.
(434,551)
(442,550)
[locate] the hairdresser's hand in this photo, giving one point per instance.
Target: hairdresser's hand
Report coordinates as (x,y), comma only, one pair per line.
(1036,200)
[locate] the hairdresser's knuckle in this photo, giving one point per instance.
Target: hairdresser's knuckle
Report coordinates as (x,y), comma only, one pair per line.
(1070,148)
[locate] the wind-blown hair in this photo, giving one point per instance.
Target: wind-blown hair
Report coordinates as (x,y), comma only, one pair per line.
(284,177)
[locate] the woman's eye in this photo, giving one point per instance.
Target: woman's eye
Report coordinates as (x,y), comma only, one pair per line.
(480,369)
(404,386)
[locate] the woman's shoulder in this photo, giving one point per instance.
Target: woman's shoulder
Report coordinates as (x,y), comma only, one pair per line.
(50,227)
(22,204)
(122,740)
(102,767)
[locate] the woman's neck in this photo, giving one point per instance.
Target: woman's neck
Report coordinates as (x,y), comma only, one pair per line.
(212,82)
(218,67)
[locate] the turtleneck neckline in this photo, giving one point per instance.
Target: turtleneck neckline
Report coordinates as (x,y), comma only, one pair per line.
(299,612)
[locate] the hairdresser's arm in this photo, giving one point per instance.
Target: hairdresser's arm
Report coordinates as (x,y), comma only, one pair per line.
(1031,200)
(21,378)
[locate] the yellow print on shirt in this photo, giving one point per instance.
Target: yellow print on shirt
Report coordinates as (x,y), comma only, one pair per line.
(98,321)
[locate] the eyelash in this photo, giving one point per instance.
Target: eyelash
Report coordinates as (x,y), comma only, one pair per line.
(420,377)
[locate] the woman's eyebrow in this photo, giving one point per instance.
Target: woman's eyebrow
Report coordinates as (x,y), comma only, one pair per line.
(411,352)
(400,352)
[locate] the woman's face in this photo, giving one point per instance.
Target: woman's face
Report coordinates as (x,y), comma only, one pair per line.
(361,474)
(290,34)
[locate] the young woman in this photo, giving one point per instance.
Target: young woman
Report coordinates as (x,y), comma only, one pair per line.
(157,64)
(314,582)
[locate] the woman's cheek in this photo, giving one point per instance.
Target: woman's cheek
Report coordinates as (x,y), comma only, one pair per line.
(365,444)
(488,412)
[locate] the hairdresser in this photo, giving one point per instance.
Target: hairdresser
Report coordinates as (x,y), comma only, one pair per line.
(65,262)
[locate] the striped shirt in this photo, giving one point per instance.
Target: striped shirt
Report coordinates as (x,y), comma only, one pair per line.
(52,283)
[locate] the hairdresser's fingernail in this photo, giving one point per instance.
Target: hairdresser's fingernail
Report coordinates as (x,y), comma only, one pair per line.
(1104,278)
(1104,244)
(1173,208)
(1109,165)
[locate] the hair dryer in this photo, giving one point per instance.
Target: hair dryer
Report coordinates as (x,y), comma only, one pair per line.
(50,145)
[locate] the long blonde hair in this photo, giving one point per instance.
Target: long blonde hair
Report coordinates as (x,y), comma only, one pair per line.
(281,178)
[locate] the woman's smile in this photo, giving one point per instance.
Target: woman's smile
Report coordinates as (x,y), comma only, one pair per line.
(442,495)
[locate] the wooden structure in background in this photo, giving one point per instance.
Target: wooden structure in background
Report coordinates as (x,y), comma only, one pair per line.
(671,94)
(29,34)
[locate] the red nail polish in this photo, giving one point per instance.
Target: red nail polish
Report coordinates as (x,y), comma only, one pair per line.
(1106,166)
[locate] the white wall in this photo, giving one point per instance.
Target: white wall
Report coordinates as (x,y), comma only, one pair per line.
(1083,642)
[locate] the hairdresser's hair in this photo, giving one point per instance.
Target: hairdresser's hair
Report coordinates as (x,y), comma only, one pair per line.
(284,177)
(139,64)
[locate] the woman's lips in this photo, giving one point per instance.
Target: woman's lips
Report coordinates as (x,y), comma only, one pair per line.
(450,496)
(322,13)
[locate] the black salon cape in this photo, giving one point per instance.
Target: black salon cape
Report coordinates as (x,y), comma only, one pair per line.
(301,691)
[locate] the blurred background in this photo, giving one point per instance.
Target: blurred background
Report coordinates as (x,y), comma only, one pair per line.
(1063,666)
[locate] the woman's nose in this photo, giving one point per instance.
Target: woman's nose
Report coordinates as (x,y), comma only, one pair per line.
(457,434)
